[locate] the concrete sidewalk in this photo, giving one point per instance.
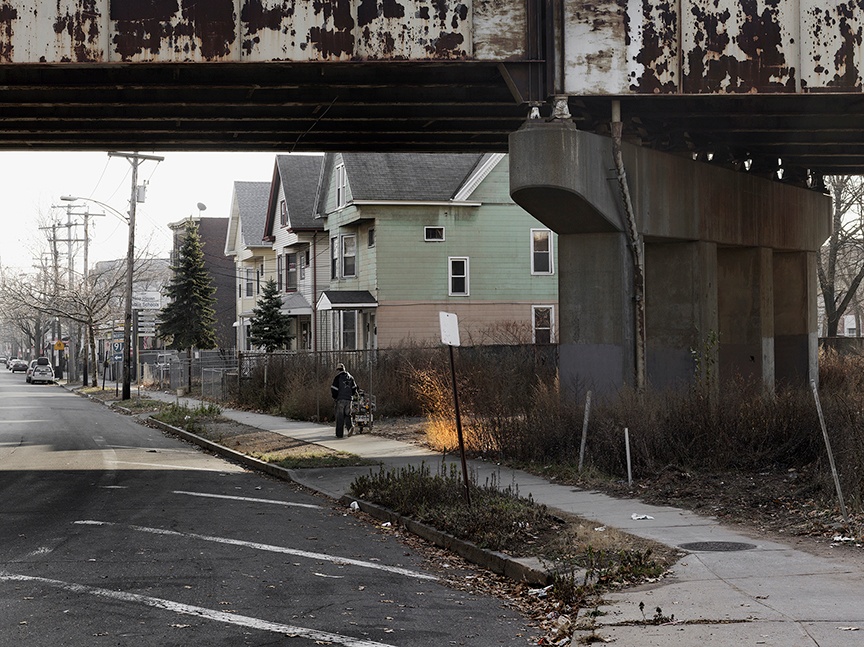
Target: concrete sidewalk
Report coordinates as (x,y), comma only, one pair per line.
(761,593)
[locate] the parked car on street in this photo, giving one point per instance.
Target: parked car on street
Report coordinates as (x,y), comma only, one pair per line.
(40,371)
(18,366)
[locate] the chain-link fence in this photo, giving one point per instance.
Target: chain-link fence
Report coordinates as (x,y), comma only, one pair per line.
(210,370)
(297,384)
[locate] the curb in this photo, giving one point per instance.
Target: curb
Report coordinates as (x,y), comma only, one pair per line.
(525,569)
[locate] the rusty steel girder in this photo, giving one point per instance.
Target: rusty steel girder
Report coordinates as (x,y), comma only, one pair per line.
(627,47)
(760,80)
(141,31)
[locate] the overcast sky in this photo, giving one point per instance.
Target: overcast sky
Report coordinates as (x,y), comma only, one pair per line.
(31,184)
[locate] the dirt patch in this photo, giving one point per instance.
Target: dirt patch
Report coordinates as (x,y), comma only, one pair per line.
(252,441)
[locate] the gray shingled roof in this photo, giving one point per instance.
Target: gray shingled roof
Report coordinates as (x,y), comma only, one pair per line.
(252,200)
(407,176)
(299,175)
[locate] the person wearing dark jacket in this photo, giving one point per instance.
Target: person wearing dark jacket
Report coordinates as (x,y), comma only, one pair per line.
(343,389)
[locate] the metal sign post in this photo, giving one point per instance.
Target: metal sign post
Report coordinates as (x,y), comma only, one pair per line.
(450,337)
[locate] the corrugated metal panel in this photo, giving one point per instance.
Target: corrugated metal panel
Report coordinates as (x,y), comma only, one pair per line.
(56,31)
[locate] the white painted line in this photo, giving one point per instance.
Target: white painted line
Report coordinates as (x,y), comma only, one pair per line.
(44,550)
(178,466)
(200,612)
(249,499)
(20,422)
(270,548)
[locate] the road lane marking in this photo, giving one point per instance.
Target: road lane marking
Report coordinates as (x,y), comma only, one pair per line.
(19,421)
(269,548)
(200,612)
(178,466)
(248,499)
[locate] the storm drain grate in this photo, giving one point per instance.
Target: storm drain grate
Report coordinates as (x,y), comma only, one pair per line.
(717,546)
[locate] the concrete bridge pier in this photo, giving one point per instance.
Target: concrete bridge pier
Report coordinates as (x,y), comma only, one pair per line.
(730,281)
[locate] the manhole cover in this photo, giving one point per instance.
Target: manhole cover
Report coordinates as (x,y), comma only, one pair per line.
(717,546)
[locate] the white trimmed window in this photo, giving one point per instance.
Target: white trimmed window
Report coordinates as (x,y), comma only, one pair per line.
(291,272)
(334,258)
(279,270)
(283,213)
(250,282)
(541,251)
(349,256)
(341,187)
(370,237)
(458,279)
(344,329)
(433,234)
(543,318)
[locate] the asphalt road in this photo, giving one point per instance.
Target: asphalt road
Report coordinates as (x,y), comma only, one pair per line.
(112,533)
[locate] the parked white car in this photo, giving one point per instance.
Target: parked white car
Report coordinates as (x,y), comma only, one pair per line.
(40,371)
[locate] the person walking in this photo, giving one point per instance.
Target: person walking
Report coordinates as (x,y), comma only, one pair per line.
(343,389)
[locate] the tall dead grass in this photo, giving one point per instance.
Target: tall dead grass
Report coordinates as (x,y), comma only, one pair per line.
(511,409)
(297,385)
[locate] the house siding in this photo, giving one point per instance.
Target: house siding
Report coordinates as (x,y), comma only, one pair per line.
(484,323)
(409,277)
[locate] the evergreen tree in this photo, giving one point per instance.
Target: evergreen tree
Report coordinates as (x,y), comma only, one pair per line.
(189,319)
(269,328)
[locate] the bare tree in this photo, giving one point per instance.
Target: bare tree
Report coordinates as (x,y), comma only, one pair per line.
(841,261)
(90,303)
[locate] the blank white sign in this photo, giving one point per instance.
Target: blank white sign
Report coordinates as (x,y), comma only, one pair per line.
(449,328)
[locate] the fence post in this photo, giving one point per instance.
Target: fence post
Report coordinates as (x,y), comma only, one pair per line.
(830,453)
(584,428)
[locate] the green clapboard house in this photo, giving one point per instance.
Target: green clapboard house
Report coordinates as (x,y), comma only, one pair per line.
(413,235)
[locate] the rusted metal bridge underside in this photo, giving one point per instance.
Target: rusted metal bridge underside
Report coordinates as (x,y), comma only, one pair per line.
(749,85)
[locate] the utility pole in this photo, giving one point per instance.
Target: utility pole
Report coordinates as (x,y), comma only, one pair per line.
(74,340)
(55,323)
(135,159)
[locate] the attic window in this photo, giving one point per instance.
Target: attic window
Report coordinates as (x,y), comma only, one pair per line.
(341,187)
(283,213)
(433,234)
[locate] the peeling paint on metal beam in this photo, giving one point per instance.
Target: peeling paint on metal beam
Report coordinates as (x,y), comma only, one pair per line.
(166,31)
(620,47)
(740,47)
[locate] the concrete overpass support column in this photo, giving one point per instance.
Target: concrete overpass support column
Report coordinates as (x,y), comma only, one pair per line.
(745,301)
(795,318)
(596,313)
(681,313)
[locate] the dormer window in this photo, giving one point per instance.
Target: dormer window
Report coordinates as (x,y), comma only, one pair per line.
(341,187)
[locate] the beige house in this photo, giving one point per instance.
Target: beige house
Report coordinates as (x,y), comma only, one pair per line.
(298,243)
(253,257)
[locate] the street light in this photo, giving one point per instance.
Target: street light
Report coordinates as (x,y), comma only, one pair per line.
(127,319)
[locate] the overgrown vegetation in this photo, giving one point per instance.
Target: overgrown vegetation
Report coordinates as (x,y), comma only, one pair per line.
(512,410)
(582,559)
(738,429)
(497,519)
(192,419)
(297,385)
